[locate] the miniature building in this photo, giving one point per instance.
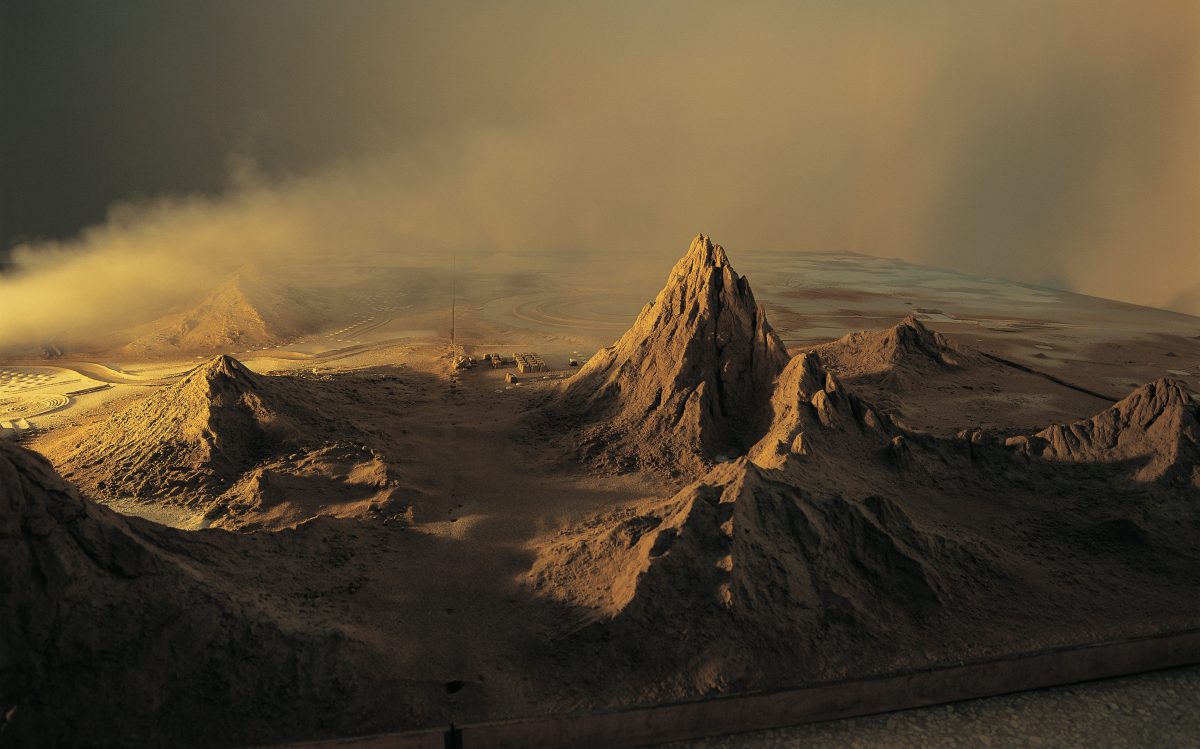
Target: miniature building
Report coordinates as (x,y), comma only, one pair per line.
(573,362)
(529,362)
(496,360)
(511,378)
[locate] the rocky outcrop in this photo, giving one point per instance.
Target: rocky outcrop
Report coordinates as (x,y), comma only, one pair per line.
(842,528)
(905,349)
(103,615)
(811,408)
(690,381)
(335,480)
(1156,428)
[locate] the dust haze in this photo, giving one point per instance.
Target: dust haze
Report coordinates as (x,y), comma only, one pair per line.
(1047,144)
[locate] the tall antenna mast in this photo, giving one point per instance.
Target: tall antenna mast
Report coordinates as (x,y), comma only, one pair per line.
(453,293)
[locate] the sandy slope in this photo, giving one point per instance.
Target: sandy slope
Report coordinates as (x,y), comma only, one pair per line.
(246,450)
(110,623)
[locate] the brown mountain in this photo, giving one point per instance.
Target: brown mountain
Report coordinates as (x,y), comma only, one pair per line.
(251,450)
(938,384)
(690,381)
(244,312)
(844,538)
(1156,428)
(908,346)
(188,440)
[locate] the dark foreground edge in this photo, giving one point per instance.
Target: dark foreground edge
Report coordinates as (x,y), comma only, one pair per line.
(825,701)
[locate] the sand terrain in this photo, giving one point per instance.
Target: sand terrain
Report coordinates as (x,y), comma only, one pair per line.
(434,546)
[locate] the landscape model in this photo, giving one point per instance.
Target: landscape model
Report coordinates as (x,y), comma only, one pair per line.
(324,542)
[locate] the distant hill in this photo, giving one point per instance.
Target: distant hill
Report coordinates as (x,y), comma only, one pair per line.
(929,380)
(244,312)
(908,347)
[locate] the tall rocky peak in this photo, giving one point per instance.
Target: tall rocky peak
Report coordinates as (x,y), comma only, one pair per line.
(691,380)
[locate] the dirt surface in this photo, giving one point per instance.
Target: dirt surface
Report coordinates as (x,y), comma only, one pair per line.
(413,545)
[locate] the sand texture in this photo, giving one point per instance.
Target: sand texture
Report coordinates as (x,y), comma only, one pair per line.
(110,623)
(244,449)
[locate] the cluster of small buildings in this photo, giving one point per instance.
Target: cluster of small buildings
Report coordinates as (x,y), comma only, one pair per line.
(530,363)
(526,362)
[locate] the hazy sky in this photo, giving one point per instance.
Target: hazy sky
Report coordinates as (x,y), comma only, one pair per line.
(1050,142)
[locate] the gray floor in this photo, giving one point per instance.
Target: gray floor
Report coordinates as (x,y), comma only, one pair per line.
(1159,710)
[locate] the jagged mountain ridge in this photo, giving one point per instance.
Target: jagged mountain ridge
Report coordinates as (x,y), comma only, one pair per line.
(1158,425)
(765,533)
(843,528)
